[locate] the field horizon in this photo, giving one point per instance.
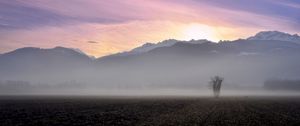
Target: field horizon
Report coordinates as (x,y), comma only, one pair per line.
(148,111)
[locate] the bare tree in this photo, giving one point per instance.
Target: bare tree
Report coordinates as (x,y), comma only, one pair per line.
(216,83)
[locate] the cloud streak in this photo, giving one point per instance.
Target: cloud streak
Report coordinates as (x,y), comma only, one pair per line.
(92,42)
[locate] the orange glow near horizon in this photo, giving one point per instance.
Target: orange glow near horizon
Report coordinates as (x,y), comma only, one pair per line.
(119,38)
(199,31)
(135,34)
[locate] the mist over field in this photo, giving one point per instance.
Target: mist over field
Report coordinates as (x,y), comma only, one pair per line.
(171,67)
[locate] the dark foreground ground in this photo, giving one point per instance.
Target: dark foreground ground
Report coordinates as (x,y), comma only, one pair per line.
(93,111)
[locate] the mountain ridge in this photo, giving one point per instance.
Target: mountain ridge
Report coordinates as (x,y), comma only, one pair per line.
(57,49)
(263,35)
(275,35)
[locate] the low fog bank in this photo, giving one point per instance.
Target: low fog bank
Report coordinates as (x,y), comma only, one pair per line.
(175,76)
(151,92)
(74,88)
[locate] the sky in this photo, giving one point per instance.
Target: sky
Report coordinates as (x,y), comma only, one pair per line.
(103,27)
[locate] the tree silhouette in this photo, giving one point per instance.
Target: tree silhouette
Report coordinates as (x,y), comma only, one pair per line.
(216,83)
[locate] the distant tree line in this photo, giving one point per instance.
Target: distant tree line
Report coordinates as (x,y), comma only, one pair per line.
(282,84)
(14,84)
(11,86)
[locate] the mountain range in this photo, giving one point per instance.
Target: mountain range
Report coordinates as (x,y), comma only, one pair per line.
(170,63)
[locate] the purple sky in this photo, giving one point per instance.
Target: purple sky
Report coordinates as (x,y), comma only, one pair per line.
(101,27)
